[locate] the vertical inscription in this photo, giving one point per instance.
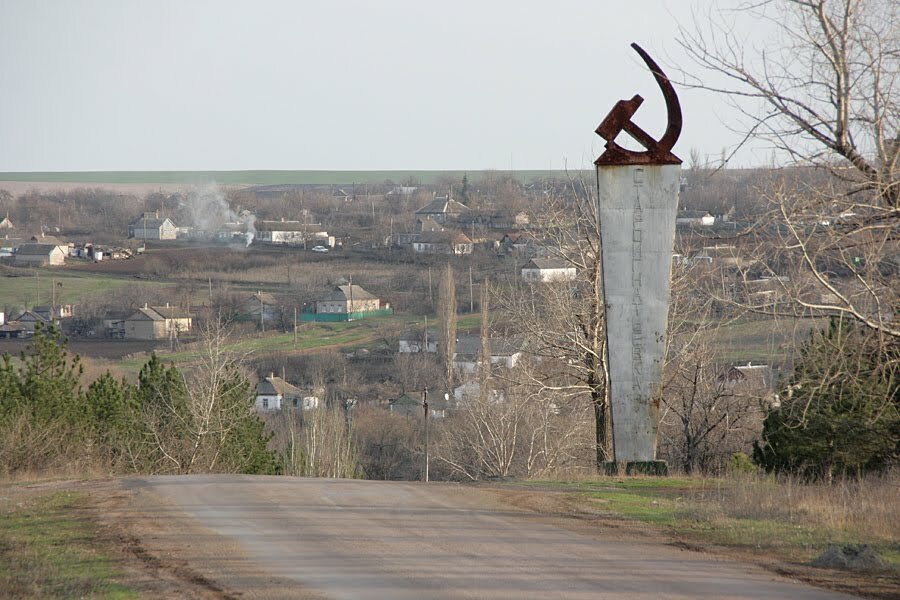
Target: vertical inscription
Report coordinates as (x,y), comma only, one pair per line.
(637,334)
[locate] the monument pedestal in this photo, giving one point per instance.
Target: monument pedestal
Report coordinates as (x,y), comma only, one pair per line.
(657,468)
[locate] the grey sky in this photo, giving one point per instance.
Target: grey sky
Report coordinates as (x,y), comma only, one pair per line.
(392,84)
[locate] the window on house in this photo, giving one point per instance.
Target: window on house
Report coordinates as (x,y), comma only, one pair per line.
(265,403)
(296,402)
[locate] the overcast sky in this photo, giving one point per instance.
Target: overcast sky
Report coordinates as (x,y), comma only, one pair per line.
(337,84)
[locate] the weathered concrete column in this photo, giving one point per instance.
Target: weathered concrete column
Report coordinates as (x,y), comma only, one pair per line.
(637,195)
(637,208)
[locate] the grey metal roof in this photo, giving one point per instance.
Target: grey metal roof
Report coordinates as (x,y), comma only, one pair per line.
(341,293)
(546,263)
(443,205)
(36,249)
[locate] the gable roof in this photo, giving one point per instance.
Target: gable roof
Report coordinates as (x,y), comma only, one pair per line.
(151,220)
(261,297)
(341,293)
(443,205)
(31,316)
(547,263)
(287,226)
(47,239)
(500,346)
(276,386)
(37,249)
(158,313)
(448,236)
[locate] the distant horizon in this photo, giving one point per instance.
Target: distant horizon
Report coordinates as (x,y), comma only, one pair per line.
(284,176)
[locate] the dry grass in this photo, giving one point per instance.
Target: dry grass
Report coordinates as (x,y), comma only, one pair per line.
(867,507)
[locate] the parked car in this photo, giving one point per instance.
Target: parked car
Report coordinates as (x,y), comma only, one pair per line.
(319,249)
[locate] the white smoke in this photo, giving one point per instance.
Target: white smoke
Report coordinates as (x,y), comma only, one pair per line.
(209,211)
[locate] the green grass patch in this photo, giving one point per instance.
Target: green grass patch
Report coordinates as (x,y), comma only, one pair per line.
(769,340)
(310,336)
(47,550)
(71,288)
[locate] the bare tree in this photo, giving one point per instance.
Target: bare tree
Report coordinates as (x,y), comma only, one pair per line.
(447,319)
(504,429)
(563,321)
(824,94)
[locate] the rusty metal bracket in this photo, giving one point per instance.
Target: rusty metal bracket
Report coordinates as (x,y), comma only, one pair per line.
(658,152)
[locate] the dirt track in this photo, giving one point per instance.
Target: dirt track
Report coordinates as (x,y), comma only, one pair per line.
(266,537)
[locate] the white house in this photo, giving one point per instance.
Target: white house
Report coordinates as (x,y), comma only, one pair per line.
(548,269)
(346,299)
(156,323)
(455,243)
(505,352)
(274,393)
(414,341)
(40,255)
(292,233)
(695,217)
(150,227)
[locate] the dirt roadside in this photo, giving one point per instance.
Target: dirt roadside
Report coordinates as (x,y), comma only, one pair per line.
(563,511)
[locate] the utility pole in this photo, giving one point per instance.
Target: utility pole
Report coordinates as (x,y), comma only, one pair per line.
(262,310)
(471,293)
(430,294)
(295,325)
(425,406)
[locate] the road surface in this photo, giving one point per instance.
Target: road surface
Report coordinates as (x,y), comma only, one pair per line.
(348,539)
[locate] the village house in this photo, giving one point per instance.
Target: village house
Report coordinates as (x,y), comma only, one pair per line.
(150,226)
(505,352)
(454,243)
(407,406)
(414,341)
(292,233)
(471,390)
(40,255)
(500,220)
(347,299)
(694,218)
(274,393)
(443,209)
(59,311)
(13,330)
(548,270)
(261,307)
(156,323)
(29,321)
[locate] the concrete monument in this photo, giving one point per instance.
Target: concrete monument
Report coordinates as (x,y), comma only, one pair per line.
(638,199)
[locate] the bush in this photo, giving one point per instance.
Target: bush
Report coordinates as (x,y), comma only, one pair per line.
(839,414)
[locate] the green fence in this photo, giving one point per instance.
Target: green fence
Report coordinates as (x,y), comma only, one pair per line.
(339,317)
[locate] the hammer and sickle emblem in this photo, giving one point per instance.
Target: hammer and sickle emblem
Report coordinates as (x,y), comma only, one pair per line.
(658,152)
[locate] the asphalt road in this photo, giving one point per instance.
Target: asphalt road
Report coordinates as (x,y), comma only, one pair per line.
(346,539)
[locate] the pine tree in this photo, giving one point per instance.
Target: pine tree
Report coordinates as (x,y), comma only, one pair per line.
(840,411)
(49,378)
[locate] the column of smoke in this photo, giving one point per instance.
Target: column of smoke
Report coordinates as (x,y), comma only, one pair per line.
(209,211)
